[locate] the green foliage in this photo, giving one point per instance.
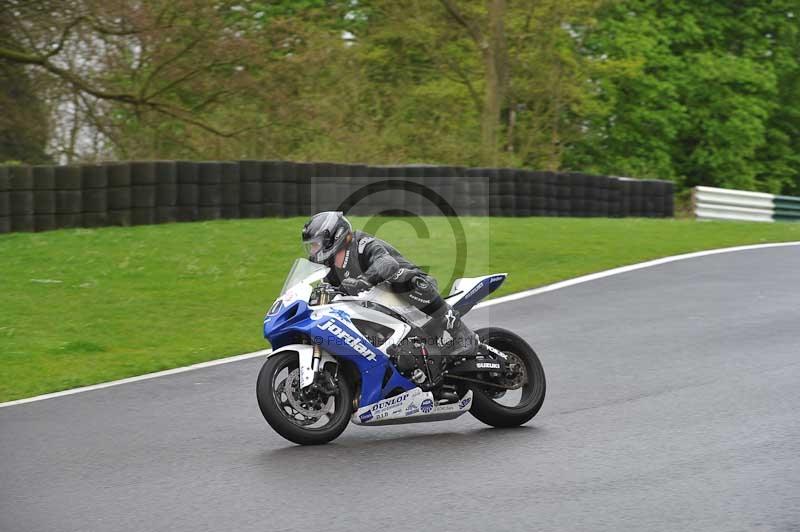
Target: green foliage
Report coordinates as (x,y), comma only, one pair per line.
(704,95)
(699,92)
(23,123)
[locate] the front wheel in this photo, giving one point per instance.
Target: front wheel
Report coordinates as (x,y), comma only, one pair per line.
(510,407)
(309,416)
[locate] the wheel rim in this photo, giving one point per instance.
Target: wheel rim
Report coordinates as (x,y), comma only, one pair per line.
(527,383)
(306,409)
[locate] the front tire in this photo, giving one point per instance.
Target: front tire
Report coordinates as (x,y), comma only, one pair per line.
(485,405)
(294,418)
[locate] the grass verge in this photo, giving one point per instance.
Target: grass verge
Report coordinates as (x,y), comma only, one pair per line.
(87,306)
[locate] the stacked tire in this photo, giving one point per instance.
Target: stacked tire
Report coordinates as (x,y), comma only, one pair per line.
(5,201)
(69,197)
(143,192)
(286,190)
(166,192)
(187,201)
(398,202)
(614,198)
(414,201)
(579,192)
(230,190)
(94,197)
(600,206)
(473,193)
(250,189)
(504,200)
(653,198)
(209,190)
(356,191)
(271,190)
(444,183)
(327,194)
(118,195)
(44,198)
(380,201)
(21,198)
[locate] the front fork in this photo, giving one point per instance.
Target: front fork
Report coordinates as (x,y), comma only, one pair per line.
(309,361)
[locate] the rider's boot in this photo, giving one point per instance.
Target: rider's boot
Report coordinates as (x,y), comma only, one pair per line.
(454,338)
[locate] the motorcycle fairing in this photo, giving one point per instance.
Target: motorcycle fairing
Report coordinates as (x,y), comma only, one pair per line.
(335,333)
(467,292)
(410,407)
(305,359)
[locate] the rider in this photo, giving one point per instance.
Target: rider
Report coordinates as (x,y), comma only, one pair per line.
(358,261)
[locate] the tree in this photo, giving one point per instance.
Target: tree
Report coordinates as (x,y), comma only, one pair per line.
(125,62)
(705,98)
(491,43)
(478,82)
(23,120)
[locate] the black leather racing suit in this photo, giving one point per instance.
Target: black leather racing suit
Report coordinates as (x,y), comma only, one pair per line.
(377,261)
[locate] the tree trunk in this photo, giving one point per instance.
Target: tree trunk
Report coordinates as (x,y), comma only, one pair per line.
(495,60)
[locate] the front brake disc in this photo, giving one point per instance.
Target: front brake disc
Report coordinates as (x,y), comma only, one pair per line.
(291,388)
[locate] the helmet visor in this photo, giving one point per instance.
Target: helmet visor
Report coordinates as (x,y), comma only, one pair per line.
(313,246)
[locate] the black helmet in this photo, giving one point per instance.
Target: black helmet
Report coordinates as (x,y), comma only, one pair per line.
(325,234)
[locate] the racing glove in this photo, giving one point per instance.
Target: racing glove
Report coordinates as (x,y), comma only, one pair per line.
(354,286)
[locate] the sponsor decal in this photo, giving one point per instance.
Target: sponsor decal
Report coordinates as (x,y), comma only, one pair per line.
(275,308)
(342,315)
(362,244)
(366,416)
(451,318)
(464,403)
(474,290)
(487,365)
(346,260)
(419,299)
(412,409)
(496,278)
(389,403)
(397,275)
(348,339)
(426,406)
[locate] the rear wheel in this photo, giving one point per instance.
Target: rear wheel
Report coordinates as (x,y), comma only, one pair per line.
(510,407)
(306,416)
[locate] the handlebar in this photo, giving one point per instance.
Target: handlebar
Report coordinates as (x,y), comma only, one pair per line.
(325,292)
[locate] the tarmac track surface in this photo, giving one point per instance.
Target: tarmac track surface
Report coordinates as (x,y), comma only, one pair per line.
(673,403)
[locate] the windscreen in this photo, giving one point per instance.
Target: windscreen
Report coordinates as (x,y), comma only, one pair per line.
(301,269)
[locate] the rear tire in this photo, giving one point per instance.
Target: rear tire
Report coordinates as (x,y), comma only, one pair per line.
(276,413)
(487,410)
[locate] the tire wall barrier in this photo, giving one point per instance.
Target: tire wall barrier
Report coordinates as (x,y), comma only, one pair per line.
(5,201)
(42,198)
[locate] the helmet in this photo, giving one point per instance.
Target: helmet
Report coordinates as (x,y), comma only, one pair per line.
(325,234)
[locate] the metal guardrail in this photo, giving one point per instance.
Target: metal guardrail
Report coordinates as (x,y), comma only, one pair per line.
(724,204)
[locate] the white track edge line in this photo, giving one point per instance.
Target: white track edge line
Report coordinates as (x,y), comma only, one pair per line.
(625,269)
(146,376)
(497,301)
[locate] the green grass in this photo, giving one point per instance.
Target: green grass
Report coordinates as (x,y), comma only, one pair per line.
(86,306)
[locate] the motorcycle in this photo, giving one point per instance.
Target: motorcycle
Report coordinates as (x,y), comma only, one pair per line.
(365,359)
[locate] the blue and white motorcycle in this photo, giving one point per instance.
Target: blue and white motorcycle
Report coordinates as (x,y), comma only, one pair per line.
(365,359)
